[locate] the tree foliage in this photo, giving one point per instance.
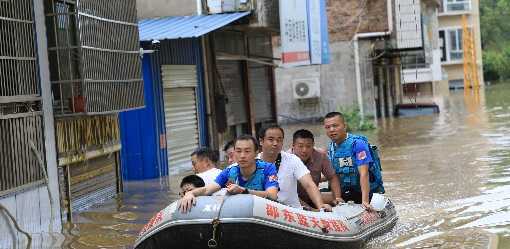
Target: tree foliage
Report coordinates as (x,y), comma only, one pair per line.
(495,31)
(353,120)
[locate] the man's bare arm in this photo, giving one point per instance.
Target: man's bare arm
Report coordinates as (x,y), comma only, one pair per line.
(365,185)
(271,193)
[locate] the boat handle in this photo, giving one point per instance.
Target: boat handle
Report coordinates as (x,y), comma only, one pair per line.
(212,243)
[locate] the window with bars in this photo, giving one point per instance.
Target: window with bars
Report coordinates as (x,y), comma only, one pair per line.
(21,127)
(93,49)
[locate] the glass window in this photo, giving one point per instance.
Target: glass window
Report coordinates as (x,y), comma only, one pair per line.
(457,5)
(451,44)
(455,37)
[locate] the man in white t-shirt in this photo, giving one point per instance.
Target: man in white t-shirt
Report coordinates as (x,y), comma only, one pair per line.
(202,164)
(290,168)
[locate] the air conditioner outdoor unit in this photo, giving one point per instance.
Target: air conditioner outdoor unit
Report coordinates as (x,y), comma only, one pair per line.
(225,6)
(306,88)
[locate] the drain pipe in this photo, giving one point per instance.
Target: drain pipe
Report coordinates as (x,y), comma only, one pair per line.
(356,38)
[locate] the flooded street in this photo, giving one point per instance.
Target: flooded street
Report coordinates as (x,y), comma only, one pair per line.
(447,174)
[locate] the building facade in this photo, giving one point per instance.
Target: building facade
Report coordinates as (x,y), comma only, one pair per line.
(61,88)
(422,75)
(212,75)
(451,13)
(384,55)
(361,71)
(429,74)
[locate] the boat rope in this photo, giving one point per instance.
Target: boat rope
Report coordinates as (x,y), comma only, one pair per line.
(39,157)
(16,225)
(213,243)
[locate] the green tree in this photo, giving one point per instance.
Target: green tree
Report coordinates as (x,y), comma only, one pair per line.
(495,31)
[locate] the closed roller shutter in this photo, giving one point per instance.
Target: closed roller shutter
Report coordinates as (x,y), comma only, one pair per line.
(179,82)
(261,91)
(230,74)
(92,182)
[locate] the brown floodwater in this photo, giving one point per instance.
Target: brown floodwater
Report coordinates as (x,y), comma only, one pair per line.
(447,174)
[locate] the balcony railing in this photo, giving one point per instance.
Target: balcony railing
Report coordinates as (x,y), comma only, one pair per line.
(456,55)
(454,6)
(417,75)
(458,6)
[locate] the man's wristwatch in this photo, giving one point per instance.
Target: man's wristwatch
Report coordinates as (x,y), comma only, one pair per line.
(245,191)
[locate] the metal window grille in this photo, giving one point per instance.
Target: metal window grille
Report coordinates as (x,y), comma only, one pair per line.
(17,50)
(20,106)
(94,56)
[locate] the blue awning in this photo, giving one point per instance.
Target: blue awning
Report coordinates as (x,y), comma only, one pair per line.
(184,26)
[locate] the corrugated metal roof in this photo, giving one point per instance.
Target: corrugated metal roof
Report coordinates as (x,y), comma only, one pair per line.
(184,26)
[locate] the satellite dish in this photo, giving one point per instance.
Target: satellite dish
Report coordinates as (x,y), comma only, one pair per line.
(302,89)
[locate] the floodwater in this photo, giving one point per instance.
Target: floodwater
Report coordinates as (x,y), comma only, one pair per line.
(447,174)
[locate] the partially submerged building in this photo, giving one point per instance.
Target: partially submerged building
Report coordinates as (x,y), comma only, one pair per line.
(371,43)
(208,72)
(67,69)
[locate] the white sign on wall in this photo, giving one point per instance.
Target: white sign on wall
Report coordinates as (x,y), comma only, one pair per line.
(304,32)
(294,32)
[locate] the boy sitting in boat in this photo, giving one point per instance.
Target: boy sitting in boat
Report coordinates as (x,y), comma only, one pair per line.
(189,183)
(247,176)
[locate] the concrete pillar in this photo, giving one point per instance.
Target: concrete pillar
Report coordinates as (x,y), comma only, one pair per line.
(382,99)
(389,95)
(398,82)
(49,130)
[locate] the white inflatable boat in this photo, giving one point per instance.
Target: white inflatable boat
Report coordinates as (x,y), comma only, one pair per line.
(247,221)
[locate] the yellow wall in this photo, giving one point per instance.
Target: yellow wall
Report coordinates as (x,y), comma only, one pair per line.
(456,71)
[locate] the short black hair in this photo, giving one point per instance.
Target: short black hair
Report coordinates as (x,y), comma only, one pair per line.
(193,180)
(228,145)
(303,133)
(215,156)
(247,138)
(264,129)
(334,114)
(203,153)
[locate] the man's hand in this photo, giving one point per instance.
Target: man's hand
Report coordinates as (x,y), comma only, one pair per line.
(235,189)
(189,200)
(337,201)
(367,206)
(326,207)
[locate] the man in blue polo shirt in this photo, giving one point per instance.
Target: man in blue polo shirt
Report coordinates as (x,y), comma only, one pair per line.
(247,176)
(350,156)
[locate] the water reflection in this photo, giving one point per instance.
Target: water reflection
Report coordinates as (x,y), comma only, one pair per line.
(448,174)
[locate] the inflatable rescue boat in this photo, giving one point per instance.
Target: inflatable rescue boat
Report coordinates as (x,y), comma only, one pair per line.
(247,221)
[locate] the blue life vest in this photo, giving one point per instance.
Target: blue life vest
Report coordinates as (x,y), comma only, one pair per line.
(256,181)
(342,158)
